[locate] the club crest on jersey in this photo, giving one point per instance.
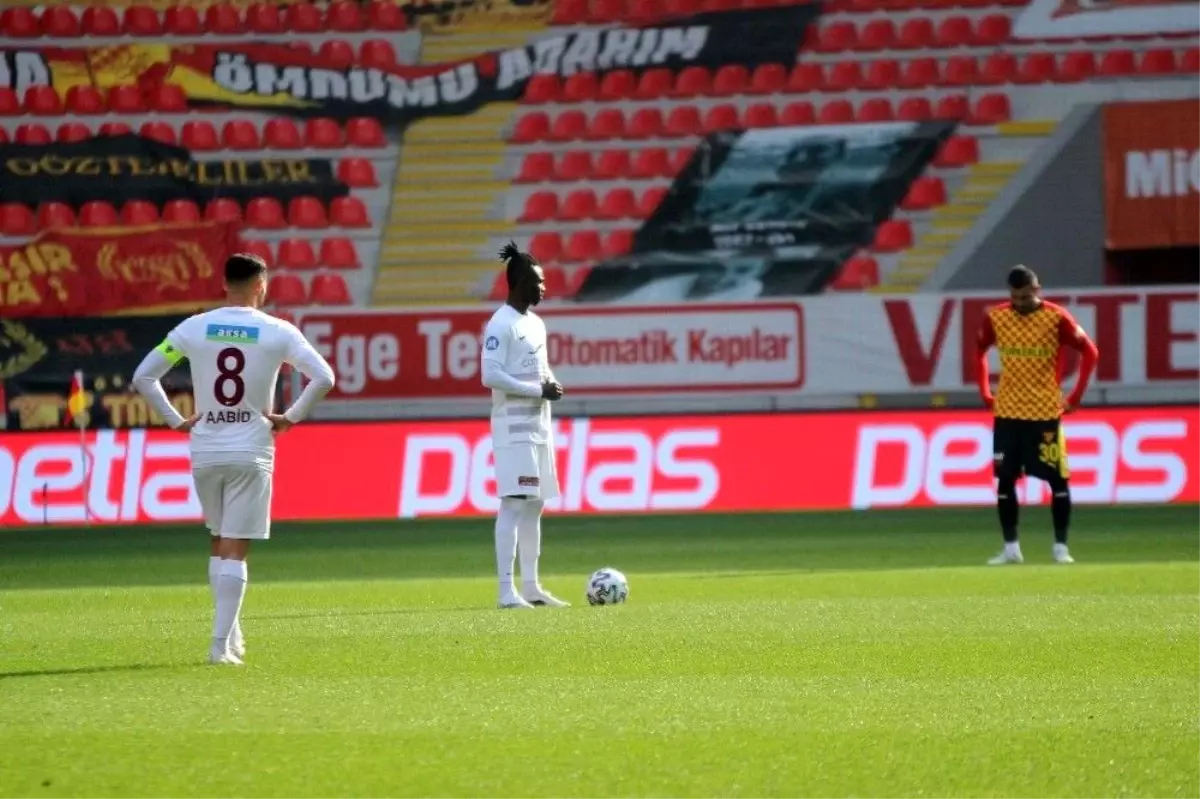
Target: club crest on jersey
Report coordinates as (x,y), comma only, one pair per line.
(1049,437)
(232,334)
(492,343)
(532,482)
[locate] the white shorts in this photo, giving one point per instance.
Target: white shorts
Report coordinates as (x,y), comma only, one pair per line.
(235,499)
(527,470)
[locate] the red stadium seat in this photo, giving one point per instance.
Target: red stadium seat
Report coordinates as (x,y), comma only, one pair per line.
(953,106)
(339,53)
(582,245)
(836,37)
(384,15)
(574,165)
(568,126)
(760,115)
(805,77)
(223,18)
(20,23)
(43,101)
(893,235)
(680,159)
(10,105)
(768,79)
(836,112)
(578,205)
(541,206)
(652,162)
(617,204)
(339,253)
(617,85)
(306,213)
(72,132)
(1190,62)
(603,12)
(4,139)
(142,21)
(915,33)
(798,113)
(265,18)
(365,132)
(580,87)
(645,123)
(85,100)
(570,12)
(168,98)
(304,18)
(858,273)
(920,73)
(650,200)
(349,212)
(99,21)
(960,71)
(126,99)
(883,73)
(877,109)
(692,82)
(357,173)
(181,211)
(1158,61)
(642,12)
(954,31)
(680,8)
(684,120)
(998,69)
(240,134)
(914,109)
(546,246)
(878,34)
(114,129)
(377,53)
(199,136)
(958,151)
(991,109)
(139,212)
(721,117)
(993,30)
(286,290)
(611,164)
(1117,63)
(280,133)
(260,248)
(59,21)
(536,168)
(1077,66)
(844,76)
(530,128)
(618,243)
(17,219)
(297,254)
(223,209)
(55,215)
(344,16)
(608,123)
(99,215)
(182,20)
(925,193)
(323,133)
(730,80)
(32,133)
(654,84)
(1036,68)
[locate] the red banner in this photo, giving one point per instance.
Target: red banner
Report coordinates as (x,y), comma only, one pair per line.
(778,462)
(77,272)
(1152,173)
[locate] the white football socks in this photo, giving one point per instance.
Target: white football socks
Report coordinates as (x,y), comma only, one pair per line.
(529,536)
(231,590)
(507,520)
(214,571)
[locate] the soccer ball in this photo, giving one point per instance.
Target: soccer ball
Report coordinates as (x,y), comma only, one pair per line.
(607,587)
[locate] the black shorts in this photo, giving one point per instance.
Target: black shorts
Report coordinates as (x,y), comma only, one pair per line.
(1033,448)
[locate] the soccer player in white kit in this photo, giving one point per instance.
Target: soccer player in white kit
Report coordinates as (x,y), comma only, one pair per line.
(516,368)
(234,354)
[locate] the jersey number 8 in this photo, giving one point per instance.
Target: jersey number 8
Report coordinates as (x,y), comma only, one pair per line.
(228,374)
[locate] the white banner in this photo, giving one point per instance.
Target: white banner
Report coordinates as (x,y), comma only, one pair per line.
(1076,19)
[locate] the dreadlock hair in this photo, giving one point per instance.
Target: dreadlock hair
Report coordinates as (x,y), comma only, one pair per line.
(517,263)
(1021,277)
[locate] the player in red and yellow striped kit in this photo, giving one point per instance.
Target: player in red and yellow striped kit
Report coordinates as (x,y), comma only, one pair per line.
(1031,335)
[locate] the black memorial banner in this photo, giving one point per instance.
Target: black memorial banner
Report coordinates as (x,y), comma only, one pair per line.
(117,169)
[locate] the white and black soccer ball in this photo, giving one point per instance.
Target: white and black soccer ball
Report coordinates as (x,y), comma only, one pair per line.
(607,587)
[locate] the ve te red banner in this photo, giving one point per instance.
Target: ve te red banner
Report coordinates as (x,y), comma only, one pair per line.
(777,462)
(70,272)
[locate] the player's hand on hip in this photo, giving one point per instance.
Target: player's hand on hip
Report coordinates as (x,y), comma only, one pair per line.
(1068,407)
(188,423)
(989,402)
(552,390)
(279,423)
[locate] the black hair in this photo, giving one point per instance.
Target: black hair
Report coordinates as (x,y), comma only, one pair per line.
(243,267)
(517,264)
(1020,277)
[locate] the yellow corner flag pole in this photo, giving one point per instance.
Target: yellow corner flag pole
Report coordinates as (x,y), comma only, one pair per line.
(77,409)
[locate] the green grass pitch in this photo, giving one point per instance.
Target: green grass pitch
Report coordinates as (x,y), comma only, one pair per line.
(796,655)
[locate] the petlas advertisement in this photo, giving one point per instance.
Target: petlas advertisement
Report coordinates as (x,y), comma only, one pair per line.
(775,462)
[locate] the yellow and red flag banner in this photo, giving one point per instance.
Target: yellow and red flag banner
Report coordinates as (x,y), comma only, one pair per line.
(89,272)
(77,402)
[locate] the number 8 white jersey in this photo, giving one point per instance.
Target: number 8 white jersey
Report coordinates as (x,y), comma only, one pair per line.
(234,355)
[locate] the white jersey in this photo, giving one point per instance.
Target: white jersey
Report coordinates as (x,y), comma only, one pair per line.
(516,342)
(234,355)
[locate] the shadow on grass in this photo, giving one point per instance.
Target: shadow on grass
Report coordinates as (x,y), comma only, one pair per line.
(86,670)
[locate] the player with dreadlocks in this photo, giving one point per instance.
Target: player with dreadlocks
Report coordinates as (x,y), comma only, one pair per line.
(516,368)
